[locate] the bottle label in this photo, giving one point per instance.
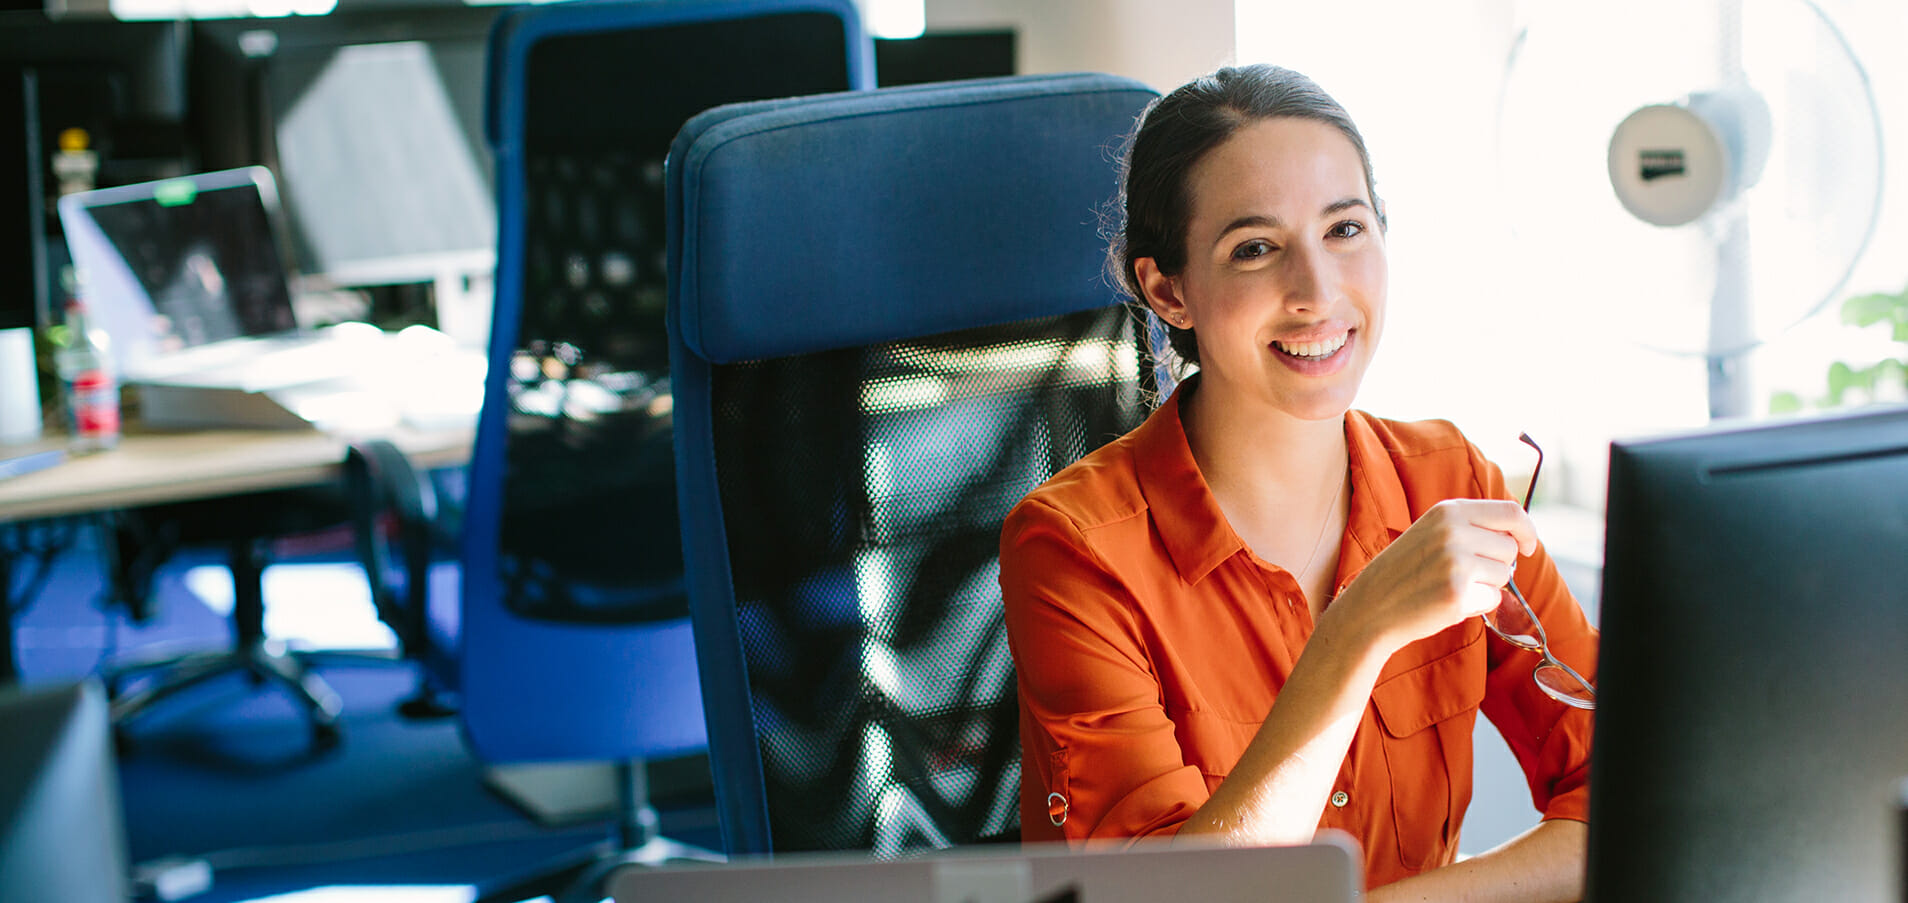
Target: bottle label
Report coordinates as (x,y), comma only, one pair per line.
(95,405)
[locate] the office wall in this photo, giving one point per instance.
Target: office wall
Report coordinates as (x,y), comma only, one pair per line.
(1161,44)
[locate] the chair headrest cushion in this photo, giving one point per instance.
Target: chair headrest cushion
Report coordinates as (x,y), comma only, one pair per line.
(840,220)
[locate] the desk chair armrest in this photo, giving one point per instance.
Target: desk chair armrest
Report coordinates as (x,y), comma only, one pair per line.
(390,496)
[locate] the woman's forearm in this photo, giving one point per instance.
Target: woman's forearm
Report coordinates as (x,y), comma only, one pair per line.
(1541,865)
(1277,791)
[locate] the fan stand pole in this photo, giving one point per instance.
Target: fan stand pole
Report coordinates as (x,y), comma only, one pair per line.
(1728,386)
(1731,322)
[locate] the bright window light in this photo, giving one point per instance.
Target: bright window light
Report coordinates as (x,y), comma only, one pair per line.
(894,18)
(1494,333)
(372,893)
(139,10)
(314,606)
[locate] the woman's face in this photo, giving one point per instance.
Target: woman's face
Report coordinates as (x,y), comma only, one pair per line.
(1285,269)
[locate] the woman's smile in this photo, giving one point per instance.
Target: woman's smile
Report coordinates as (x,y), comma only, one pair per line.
(1315,357)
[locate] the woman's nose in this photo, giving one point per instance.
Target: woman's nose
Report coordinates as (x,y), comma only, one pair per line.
(1310,279)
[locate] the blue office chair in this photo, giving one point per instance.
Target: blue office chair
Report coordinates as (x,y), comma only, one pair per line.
(888,322)
(575,643)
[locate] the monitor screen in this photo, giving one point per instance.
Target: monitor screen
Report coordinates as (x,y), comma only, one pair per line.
(1751,731)
(944,56)
(373,122)
(61,825)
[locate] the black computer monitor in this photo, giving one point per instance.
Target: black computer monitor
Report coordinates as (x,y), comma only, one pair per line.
(944,56)
(1752,720)
(61,827)
(125,84)
(372,120)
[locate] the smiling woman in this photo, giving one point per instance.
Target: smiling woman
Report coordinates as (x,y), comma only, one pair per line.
(1284,250)
(1194,656)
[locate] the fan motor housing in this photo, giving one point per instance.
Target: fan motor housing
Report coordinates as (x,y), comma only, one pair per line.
(1668,164)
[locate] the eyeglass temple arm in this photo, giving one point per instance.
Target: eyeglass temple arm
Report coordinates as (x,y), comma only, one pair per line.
(1531,490)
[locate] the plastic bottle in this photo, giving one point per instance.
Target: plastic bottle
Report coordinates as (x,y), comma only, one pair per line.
(89,387)
(75,164)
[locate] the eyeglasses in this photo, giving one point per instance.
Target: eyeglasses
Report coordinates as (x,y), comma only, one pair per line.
(1514,620)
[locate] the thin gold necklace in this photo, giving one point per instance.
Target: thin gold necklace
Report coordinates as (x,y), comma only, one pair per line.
(1323,528)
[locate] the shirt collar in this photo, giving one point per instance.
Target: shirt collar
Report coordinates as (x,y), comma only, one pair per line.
(1194,530)
(1190,524)
(1379,510)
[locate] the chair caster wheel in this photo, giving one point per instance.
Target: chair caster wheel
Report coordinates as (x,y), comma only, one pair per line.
(425,708)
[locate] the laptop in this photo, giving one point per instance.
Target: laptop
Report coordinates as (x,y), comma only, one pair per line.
(1324,871)
(182,273)
(190,281)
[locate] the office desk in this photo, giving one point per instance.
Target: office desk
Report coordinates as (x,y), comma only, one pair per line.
(156,468)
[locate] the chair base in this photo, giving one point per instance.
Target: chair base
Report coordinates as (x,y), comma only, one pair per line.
(262,660)
(427,705)
(585,877)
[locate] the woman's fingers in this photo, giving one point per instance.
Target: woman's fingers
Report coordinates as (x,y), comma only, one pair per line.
(1507,518)
(1480,598)
(1450,565)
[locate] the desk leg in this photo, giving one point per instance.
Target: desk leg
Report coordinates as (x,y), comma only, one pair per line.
(248,559)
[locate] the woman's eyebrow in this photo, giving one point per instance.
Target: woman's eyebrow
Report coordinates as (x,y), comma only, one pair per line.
(1253,221)
(1343,204)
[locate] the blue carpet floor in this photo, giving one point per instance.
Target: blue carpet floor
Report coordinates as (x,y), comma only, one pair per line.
(225,773)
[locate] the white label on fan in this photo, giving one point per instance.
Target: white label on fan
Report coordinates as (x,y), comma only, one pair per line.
(1667,165)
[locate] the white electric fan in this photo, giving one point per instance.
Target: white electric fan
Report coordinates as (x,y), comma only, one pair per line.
(1710,170)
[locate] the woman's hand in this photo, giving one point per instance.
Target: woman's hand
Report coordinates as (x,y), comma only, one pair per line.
(1450,565)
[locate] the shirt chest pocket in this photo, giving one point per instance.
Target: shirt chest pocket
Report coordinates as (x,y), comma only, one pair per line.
(1427,715)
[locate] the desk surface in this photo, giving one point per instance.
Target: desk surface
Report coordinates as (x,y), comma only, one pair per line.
(154,468)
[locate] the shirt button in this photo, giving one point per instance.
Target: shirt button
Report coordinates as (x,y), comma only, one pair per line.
(1340,798)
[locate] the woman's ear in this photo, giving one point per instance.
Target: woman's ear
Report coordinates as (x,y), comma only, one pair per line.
(1162,293)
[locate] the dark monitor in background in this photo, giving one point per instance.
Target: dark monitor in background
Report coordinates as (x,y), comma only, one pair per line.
(124,84)
(944,56)
(373,122)
(61,825)
(1752,720)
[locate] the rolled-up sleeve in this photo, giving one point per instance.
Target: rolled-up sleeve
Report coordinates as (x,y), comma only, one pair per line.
(1101,758)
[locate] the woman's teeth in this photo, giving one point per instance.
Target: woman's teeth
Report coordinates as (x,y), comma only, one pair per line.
(1313,349)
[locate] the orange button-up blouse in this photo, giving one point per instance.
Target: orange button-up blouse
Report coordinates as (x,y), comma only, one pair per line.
(1150,643)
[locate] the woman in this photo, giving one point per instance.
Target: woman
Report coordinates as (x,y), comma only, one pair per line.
(1256,615)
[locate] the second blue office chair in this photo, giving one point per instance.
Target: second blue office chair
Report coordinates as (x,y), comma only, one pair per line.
(888,322)
(575,639)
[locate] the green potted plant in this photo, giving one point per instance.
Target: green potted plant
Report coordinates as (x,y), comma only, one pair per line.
(1847,384)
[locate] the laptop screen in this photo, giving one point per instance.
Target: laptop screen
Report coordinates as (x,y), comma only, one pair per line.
(181,262)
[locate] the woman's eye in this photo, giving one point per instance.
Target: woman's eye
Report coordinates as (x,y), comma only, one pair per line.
(1251,250)
(1348,229)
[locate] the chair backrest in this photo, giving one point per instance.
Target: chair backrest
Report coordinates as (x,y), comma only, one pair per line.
(888,322)
(575,641)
